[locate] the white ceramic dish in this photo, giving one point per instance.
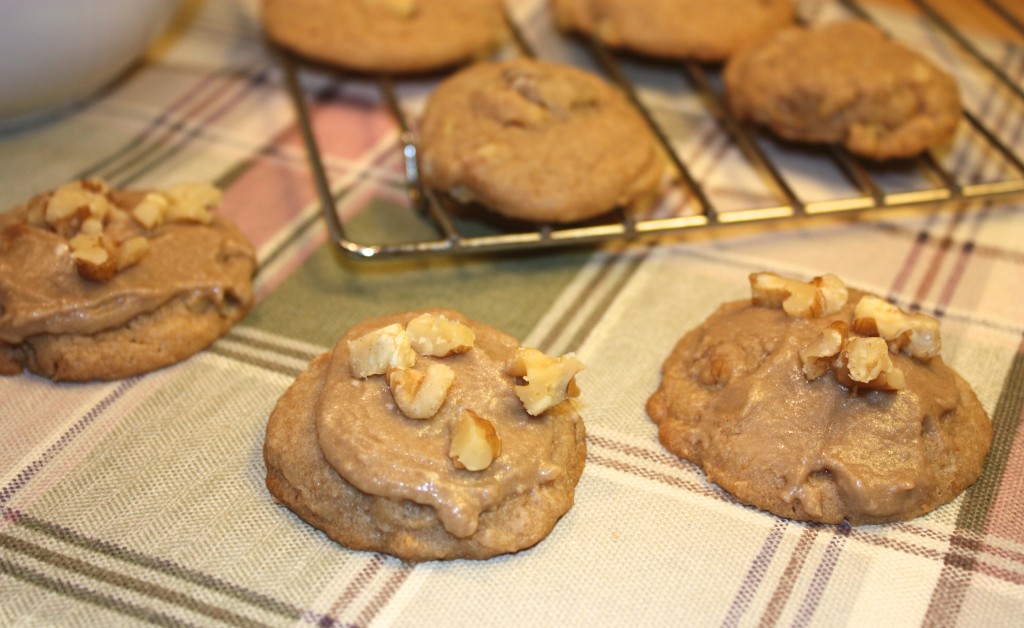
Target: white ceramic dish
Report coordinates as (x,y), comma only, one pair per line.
(56,52)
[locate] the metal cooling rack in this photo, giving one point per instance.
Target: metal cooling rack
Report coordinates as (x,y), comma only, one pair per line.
(455,233)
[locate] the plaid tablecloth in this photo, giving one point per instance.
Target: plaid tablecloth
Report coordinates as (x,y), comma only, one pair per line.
(143,500)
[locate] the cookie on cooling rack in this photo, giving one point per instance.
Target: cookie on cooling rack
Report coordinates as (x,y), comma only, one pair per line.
(675,29)
(100,284)
(820,403)
(537,141)
(847,83)
(429,436)
(391,36)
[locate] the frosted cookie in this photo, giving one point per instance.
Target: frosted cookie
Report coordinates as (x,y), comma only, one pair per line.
(537,141)
(399,36)
(429,436)
(100,284)
(845,83)
(675,29)
(819,403)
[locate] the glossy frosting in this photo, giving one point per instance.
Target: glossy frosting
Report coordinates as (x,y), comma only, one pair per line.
(42,293)
(367,440)
(735,401)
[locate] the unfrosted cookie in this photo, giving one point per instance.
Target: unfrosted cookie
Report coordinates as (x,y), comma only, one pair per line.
(819,403)
(417,436)
(847,83)
(386,35)
(100,284)
(537,141)
(705,30)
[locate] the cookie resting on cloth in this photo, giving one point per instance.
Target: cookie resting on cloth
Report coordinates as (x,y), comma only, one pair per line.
(754,397)
(101,284)
(538,141)
(675,29)
(344,454)
(844,83)
(402,36)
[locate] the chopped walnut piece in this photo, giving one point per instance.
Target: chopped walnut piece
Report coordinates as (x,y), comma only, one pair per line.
(373,353)
(417,394)
(474,442)
(549,381)
(437,335)
(151,210)
(94,255)
(191,202)
(817,357)
(131,251)
(865,363)
(78,200)
(822,296)
(916,334)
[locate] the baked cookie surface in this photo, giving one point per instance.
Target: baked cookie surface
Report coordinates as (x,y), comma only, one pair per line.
(386,35)
(753,396)
(675,29)
(100,284)
(342,453)
(537,141)
(847,83)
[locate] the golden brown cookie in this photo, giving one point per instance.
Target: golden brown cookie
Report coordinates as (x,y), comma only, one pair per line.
(100,284)
(417,436)
(819,403)
(675,29)
(397,36)
(847,83)
(537,141)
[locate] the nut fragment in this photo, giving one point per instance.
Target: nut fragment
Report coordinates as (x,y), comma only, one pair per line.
(191,202)
(822,296)
(817,357)
(151,210)
(865,363)
(94,255)
(373,353)
(439,336)
(549,381)
(916,334)
(131,251)
(417,394)
(475,443)
(81,199)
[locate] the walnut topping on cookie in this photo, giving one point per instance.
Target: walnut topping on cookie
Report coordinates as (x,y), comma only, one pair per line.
(100,238)
(418,394)
(73,204)
(855,362)
(822,296)
(94,255)
(190,202)
(392,351)
(817,357)
(439,336)
(549,381)
(475,443)
(916,334)
(865,363)
(375,352)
